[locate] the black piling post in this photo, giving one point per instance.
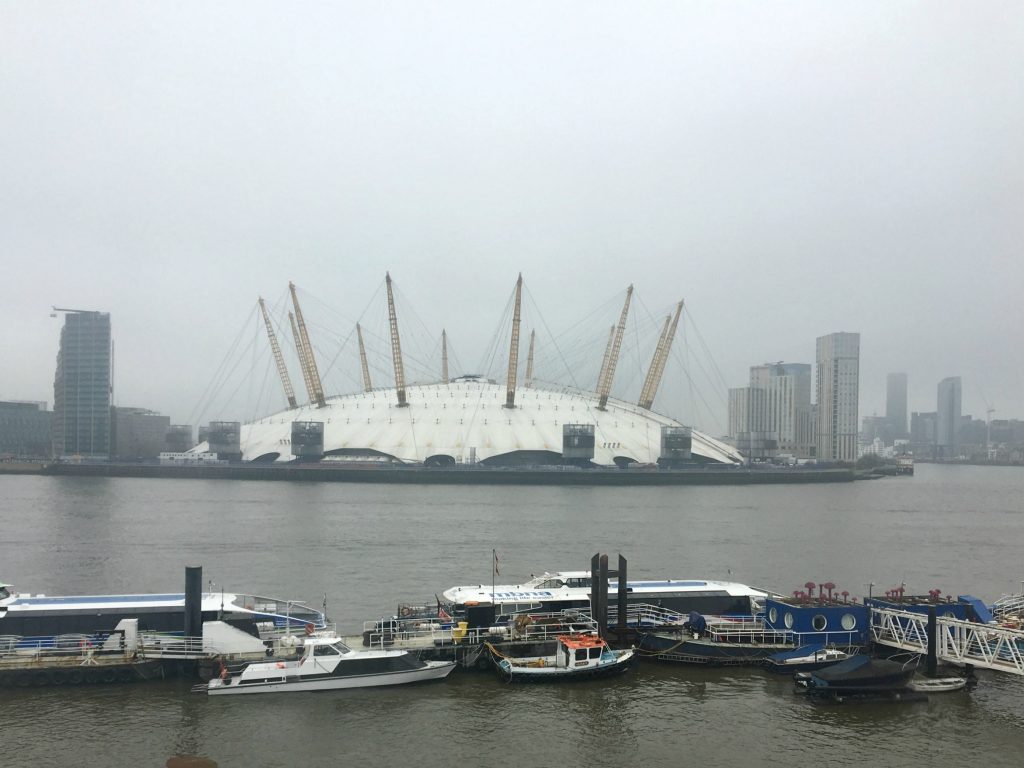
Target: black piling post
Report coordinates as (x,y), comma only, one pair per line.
(193,601)
(932,661)
(623,627)
(603,621)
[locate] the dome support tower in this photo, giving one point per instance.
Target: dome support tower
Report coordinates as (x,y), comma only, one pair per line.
(604,387)
(367,384)
(301,352)
(657,369)
(282,369)
(314,374)
(513,351)
(528,381)
(396,345)
(444,356)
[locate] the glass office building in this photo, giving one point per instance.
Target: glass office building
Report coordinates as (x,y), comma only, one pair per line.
(81,387)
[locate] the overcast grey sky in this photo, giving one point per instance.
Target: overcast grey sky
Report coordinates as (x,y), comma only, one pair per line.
(791,169)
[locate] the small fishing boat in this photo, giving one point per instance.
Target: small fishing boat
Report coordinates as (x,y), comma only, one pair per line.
(575,657)
(806,658)
(326,663)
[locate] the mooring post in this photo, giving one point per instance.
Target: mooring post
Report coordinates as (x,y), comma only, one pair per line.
(602,622)
(623,628)
(932,661)
(193,602)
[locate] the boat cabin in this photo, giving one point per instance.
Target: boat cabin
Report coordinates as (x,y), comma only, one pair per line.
(575,651)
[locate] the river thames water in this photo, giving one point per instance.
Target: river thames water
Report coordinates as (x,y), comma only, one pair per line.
(958,529)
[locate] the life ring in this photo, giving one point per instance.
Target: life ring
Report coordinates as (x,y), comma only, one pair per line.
(405,612)
(310,629)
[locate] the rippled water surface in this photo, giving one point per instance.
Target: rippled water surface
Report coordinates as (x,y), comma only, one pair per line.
(959,529)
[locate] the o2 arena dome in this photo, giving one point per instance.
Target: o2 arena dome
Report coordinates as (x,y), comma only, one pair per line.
(468,419)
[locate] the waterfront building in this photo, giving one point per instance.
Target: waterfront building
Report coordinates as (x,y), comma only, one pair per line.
(25,430)
(896,404)
(947,423)
(922,434)
(137,434)
(748,423)
(787,405)
(876,428)
(838,391)
(179,438)
(81,387)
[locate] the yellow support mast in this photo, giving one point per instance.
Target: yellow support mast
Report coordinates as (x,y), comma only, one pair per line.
(282,369)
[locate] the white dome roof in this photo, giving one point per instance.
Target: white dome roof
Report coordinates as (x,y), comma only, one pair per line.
(469,414)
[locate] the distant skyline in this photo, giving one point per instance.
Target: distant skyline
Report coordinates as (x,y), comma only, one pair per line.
(791,170)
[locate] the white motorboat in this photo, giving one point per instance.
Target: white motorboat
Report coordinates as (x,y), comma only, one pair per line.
(326,663)
(576,656)
(937,684)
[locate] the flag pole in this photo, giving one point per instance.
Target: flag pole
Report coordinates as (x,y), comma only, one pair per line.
(494,568)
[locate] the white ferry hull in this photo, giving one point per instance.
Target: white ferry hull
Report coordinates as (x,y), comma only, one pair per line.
(435,670)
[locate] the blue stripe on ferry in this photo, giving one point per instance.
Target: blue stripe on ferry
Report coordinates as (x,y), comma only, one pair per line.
(635,584)
(80,599)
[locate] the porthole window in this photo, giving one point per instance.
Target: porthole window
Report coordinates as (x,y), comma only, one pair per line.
(819,623)
(773,614)
(848,622)
(788,620)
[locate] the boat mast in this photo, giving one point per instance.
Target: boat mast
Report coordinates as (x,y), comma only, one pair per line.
(513,350)
(367,384)
(657,370)
(396,345)
(528,382)
(282,370)
(302,357)
(605,387)
(314,373)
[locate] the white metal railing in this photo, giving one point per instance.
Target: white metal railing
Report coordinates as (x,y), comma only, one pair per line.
(1009,608)
(963,642)
(430,632)
(15,649)
(644,614)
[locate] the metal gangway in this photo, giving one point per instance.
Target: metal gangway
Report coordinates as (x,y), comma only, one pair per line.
(989,646)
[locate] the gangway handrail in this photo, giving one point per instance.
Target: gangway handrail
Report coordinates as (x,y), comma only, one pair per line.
(956,640)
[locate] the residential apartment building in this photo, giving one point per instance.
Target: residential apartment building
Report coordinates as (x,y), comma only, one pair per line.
(838,393)
(81,387)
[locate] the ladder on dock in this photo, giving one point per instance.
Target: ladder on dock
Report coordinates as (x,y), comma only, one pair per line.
(988,646)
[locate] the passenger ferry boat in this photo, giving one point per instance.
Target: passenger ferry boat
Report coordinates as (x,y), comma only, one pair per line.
(564,590)
(50,616)
(327,663)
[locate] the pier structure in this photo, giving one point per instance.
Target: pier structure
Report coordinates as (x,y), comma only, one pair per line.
(950,639)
